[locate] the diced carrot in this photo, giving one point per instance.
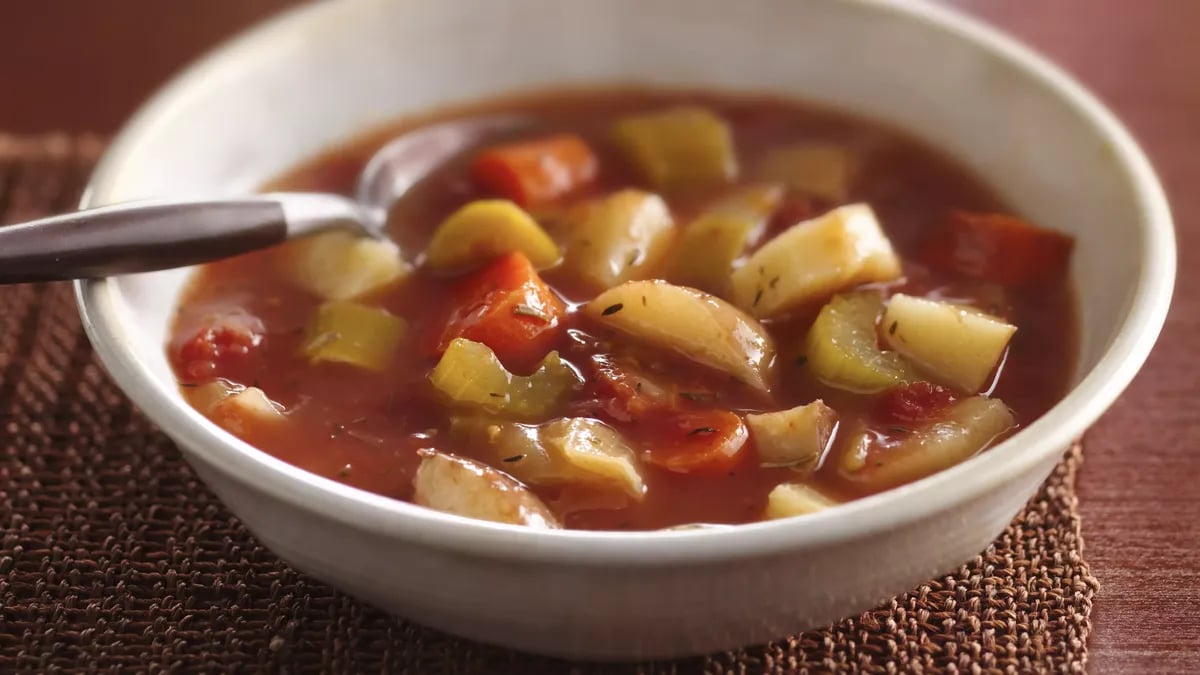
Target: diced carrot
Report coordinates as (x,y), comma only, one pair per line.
(535,172)
(998,248)
(698,442)
(507,307)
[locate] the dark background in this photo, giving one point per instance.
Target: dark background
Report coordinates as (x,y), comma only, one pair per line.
(83,65)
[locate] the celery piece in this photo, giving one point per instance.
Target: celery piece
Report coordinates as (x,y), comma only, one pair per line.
(824,170)
(347,332)
(469,375)
(680,148)
(623,236)
(485,229)
(843,346)
(812,260)
(794,438)
(795,499)
(567,451)
(962,430)
(704,256)
(340,265)
(958,345)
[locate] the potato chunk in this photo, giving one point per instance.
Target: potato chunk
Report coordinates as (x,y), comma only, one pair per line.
(340,265)
(346,332)
(468,488)
(796,437)
(962,430)
(813,260)
(234,407)
(795,499)
(958,346)
(568,451)
(695,325)
(484,229)
(623,236)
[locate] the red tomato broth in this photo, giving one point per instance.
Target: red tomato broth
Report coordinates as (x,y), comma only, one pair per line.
(363,428)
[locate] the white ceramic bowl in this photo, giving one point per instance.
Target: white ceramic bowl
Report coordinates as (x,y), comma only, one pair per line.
(318,75)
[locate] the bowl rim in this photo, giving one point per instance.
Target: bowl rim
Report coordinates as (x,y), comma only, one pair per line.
(1039,442)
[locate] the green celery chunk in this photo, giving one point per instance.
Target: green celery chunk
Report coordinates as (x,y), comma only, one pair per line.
(843,346)
(347,332)
(470,376)
(681,148)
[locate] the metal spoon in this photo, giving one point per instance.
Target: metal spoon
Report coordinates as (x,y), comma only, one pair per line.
(146,236)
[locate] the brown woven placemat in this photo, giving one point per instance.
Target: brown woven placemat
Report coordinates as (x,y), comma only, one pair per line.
(114,557)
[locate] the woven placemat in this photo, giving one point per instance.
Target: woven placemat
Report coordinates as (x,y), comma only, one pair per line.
(114,557)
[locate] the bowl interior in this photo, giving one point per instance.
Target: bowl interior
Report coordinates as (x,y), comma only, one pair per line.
(319,75)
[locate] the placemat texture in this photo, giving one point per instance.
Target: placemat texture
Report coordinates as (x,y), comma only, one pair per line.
(114,557)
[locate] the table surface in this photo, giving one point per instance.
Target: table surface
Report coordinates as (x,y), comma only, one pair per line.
(82,66)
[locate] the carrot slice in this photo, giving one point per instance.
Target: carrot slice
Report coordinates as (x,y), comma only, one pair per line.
(538,171)
(698,442)
(507,307)
(998,248)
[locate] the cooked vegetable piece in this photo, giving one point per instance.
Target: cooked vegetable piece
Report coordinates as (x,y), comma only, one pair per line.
(842,346)
(567,451)
(795,499)
(469,375)
(696,442)
(347,332)
(704,255)
(534,172)
(477,233)
(692,324)
(824,170)
(618,238)
(507,307)
(958,346)
(813,260)
(998,248)
(468,488)
(234,407)
(960,431)
(796,437)
(340,265)
(680,148)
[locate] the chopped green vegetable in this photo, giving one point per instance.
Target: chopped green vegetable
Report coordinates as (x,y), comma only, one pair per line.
(575,450)
(346,332)
(681,148)
(822,170)
(962,430)
(843,346)
(704,255)
(484,229)
(469,375)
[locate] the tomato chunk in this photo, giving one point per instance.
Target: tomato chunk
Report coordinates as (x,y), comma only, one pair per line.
(535,172)
(697,442)
(913,403)
(507,307)
(224,341)
(998,248)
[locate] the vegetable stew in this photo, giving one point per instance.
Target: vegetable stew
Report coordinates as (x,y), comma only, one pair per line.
(642,310)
